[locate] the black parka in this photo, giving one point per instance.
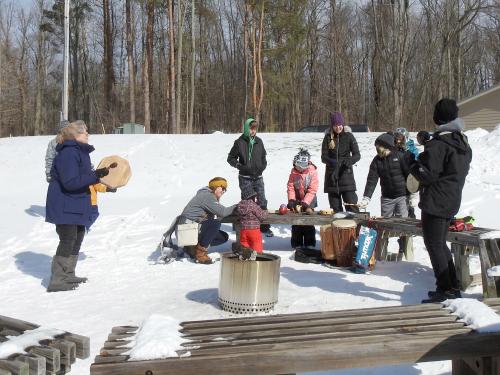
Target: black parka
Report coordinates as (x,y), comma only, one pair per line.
(238,157)
(442,169)
(339,176)
(392,171)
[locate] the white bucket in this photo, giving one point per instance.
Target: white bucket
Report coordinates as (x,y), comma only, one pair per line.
(187,234)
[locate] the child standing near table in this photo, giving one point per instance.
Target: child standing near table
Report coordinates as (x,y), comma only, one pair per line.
(251,216)
(302,187)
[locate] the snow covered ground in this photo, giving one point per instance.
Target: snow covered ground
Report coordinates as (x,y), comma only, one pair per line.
(118,254)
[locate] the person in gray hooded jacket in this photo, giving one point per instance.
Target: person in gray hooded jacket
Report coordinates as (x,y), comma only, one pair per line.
(441,170)
(204,208)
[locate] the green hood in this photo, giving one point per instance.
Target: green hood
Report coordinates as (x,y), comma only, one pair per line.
(246,128)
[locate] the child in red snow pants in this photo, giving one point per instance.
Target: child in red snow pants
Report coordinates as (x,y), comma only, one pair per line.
(252,238)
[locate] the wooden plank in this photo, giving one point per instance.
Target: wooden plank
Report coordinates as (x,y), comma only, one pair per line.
(300,333)
(330,355)
(15,367)
(16,324)
(82,344)
(52,356)
(441,315)
(67,351)
(124,329)
(9,332)
(316,315)
(36,364)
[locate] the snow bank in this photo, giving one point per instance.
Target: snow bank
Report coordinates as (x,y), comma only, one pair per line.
(157,337)
(18,344)
(475,314)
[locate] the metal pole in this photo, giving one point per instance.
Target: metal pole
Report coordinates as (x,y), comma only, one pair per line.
(64,113)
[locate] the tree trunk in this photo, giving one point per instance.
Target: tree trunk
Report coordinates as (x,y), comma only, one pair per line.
(109,74)
(130,60)
(173,117)
(193,70)
(148,66)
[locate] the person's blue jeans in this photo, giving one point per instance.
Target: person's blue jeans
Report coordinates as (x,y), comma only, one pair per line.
(210,234)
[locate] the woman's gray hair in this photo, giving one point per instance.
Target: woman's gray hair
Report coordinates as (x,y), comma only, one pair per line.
(70,131)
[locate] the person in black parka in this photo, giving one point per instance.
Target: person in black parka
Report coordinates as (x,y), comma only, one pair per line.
(441,170)
(248,155)
(339,151)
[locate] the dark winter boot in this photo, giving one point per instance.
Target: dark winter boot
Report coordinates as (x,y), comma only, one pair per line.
(243,252)
(441,296)
(201,255)
(190,251)
(71,277)
(58,279)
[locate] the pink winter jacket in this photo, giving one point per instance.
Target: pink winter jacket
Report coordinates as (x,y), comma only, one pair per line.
(303,186)
(250,214)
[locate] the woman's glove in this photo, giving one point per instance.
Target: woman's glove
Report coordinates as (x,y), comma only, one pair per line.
(101,172)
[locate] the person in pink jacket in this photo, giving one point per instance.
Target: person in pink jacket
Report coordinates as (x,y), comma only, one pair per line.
(302,188)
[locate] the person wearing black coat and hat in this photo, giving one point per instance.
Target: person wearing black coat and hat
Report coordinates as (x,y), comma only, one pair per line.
(441,170)
(339,151)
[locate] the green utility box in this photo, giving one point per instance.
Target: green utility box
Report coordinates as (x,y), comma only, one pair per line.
(129,128)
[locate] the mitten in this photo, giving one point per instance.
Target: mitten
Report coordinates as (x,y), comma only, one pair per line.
(364,202)
(101,172)
(292,203)
(304,205)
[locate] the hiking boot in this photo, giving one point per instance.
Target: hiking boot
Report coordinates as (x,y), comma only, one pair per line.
(190,251)
(441,296)
(201,255)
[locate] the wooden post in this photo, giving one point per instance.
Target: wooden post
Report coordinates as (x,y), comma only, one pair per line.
(489,255)
(461,256)
(408,248)
(382,242)
(476,366)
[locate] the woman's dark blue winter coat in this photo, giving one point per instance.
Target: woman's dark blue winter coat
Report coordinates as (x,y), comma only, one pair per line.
(68,196)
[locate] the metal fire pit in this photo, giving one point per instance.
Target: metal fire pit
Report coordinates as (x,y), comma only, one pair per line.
(249,286)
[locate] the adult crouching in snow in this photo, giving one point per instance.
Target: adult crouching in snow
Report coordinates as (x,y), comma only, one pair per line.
(441,170)
(248,155)
(203,208)
(69,204)
(339,151)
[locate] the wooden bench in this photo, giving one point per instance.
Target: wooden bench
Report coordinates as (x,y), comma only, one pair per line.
(49,357)
(316,341)
(462,245)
